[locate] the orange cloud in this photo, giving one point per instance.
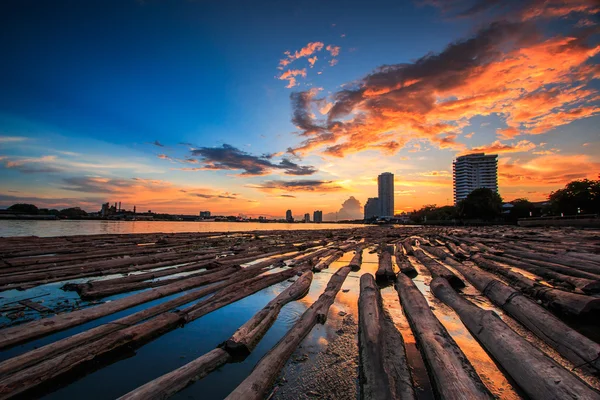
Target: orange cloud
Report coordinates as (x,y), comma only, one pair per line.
(499,147)
(290,75)
(306,51)
(334,50)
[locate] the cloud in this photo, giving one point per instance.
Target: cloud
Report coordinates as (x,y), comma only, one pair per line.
(306,51)
(351,209)
(334,50)
(312,61)
(163,157)
(157,143)
(508,68)
(33,165)
(298,186)
(228,157)
(290,76)
(499,147)
(547,170)
(12,139)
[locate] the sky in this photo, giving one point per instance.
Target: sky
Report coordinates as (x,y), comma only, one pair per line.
(254,108)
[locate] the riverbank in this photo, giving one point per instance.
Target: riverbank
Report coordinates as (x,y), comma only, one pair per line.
(81,310)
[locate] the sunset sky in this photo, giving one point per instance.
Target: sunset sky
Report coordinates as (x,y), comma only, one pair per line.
(255,107)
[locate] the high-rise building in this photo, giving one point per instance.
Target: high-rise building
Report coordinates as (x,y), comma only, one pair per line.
(385,186)
(372,208)
(474,171)
(318,216)
(204,214)
(307,217)
(288,216)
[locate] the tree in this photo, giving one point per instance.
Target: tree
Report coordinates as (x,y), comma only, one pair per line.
(431,212)
(73,212)
(24,208)
(481,203)
(522,208)
(582,195)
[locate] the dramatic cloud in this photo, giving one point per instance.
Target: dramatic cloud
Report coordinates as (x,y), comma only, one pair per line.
(547,170)
(499,147)
(508,68)
(228,157)
(298,186)
(351,209)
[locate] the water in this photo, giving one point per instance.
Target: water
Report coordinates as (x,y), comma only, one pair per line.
(95,227)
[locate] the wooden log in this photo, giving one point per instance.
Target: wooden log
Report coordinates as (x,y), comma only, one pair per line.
(356,261)
(452,376)
(438,270)
(325,262)
(559,300)
(34,329)
(587,266)
(240,344)
(129,337)
(540,377)
(384,371)
(555,267)
(404,264)
(407,246)
(572,345)
(583,284)
(385,272)
(264,374)
(36,306)
(168,384)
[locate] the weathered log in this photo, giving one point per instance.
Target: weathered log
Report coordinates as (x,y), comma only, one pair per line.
(264,374)
(407,246)
(36,306)
(385,272)
(438,270)
(537,374)
(559,300)
(404,264)
(585,285)
(563,269)
(325,262)
(129,337)
(587,266)
(572,345)
(452,376)
(356,261)
(384,371)
(240,344)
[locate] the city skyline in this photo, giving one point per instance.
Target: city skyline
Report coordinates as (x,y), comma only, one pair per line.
(239,109)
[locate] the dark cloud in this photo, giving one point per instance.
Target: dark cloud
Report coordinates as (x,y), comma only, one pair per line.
(228,157)
(157,143)
(287,195)
(301,111)
(298,186)
(94,185)
(33,169)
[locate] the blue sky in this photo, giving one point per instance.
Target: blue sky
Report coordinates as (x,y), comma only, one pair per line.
(88,87)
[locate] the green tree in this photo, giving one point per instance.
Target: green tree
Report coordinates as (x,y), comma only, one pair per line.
(481,203)
(582,195)
(24,208)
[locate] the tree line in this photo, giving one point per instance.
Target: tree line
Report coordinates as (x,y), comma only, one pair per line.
(577,197)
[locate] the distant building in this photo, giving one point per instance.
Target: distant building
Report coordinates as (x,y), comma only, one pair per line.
(204,214)
(288,216)
(318,216)
(474,171)
(385,186)
(307,217)
(372,208)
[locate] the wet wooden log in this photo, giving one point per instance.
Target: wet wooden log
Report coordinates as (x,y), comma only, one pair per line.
(572,345)
(404,264)
(583,284)
(384,371)
(129,337)
(385,271)
(36,306)
(356,261)
(325,262)
(256,385)
(240,344)
(540,377)
(406,244)
(559,300)
(587,266)
(438,270)
(452,376)
(554,267)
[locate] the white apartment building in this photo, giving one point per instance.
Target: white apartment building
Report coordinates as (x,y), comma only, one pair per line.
(474,171)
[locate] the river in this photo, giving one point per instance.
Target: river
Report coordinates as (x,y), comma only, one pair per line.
(95,227)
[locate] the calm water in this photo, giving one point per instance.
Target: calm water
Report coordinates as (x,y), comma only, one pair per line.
(68,228)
